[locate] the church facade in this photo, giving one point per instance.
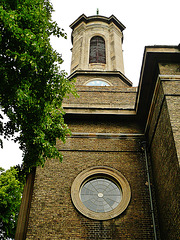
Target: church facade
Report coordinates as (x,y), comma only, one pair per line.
(119,175)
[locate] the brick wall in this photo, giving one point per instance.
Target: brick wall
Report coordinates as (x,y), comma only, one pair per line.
(97,125)
(53,215)
(164,147)
(114,80)
(112,97)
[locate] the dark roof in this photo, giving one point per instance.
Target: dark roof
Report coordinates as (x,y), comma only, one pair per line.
(84,18)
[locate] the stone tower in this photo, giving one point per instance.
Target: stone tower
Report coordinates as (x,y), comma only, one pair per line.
(109,30)
(109,185)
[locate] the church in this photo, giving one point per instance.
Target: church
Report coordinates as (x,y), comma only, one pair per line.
(119,176)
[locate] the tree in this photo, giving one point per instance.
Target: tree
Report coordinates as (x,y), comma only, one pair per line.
(32,86)
(11,188)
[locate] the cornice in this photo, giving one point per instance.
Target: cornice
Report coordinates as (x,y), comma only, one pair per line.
(84,18)
(101,73)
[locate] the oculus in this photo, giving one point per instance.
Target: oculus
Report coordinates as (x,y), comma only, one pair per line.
(100,193)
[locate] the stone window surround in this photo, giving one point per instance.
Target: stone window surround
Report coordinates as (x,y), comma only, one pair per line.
(98,65)
(109,173)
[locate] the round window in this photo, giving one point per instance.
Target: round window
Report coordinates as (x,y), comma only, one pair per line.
(100,193)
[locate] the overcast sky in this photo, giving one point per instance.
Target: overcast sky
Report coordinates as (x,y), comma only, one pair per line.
(147,22)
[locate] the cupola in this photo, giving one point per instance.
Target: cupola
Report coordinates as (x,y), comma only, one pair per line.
(97,51)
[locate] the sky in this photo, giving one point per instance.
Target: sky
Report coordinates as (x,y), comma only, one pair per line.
(147,22)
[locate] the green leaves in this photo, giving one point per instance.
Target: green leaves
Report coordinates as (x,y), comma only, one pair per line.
(11,188)
(32,86)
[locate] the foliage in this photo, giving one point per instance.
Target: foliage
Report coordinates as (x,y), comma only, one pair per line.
(32,85)
(11,188)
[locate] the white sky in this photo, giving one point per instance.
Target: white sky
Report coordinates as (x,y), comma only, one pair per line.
(152,22)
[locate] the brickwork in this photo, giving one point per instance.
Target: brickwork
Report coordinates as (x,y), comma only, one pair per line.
(53,213)
(173,103)
(112,97)
(114,80)
(98,126)
(171,89)
(164,147)
(169,68)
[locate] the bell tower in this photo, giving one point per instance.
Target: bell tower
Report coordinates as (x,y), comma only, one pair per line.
(97,51)
(97,44)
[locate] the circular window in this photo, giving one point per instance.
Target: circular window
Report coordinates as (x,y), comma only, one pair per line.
(100,193)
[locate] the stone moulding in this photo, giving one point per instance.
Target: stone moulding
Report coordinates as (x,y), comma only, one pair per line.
(106,172)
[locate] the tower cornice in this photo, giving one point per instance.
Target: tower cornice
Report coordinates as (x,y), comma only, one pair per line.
(102,73)
(108,20)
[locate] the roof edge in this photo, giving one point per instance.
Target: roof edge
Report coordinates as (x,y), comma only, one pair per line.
(87,72)
(153,55)
(84,18)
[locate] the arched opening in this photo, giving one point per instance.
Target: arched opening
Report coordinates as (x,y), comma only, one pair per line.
(97,82)
(97,50)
